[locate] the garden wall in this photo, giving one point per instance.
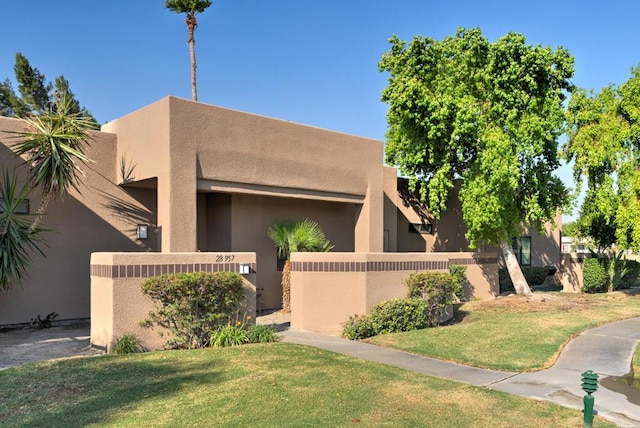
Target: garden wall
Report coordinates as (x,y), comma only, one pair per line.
(117,301)
(570,272)
(327,288)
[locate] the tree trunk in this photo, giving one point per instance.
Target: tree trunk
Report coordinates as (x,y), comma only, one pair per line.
(191,25)
(286,286)
(192,51)
(513,267)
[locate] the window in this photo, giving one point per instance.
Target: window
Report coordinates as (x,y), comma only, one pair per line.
(23,208)
(420,228)
(522,249)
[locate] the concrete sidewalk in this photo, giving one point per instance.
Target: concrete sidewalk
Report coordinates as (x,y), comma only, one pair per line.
(607,350)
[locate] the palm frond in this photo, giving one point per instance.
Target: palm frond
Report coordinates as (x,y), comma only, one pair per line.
(18,239)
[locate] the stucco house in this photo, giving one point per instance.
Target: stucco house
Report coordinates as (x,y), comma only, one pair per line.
(178,176)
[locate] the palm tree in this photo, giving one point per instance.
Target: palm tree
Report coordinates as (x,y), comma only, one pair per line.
(191,8)
(291,236)
(53,144)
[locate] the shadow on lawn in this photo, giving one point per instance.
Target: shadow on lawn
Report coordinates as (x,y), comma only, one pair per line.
(86,391)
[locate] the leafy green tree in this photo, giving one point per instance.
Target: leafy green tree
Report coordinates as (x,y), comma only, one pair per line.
(571,229)
(190,8)
(291,236)
(32,85)
(604,143)
(489,113)
(11,105)
(36,94)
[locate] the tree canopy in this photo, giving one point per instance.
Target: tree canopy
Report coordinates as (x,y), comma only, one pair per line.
(36,94)
(604,144)
(489,113)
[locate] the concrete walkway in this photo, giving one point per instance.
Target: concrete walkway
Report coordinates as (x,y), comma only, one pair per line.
(607,350)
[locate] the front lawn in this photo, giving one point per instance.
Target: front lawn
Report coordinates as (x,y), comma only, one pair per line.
(263,385)
(515,333)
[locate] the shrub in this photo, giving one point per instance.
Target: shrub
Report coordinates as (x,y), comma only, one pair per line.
(437,288)
(458,278)
(396,315)
(358,327)
(535,275)
(632,276)
(391,316)
(45,322)
(191,306)
(128,344)
(260,333)
(228,335)
(594,276)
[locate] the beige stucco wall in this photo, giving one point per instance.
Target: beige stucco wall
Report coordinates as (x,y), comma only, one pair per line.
(118,304)
(570,272)
(101,217)
(220,150)
(327,288)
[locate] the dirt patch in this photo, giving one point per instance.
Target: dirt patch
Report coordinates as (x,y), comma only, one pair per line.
(541,302)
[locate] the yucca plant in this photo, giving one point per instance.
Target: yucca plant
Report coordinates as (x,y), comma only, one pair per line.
(53,144)
(18,238)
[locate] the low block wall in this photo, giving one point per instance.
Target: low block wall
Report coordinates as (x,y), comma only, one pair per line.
(117,301)
(570,272)
(327,288)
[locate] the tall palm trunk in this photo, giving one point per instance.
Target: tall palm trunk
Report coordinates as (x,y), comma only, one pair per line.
(286,286)
(513,267)
(191,26)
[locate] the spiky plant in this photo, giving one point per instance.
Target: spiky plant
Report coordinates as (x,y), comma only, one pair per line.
(53,146)
(18,239)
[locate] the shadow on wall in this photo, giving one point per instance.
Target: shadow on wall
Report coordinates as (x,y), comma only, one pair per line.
(133,214)
(60,282)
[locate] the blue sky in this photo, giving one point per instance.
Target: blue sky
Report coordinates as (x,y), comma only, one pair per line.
(307,61)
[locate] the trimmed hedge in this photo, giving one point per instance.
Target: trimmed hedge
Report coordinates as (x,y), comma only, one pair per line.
(429,295)
(193,305)
(594,276)
(390,316)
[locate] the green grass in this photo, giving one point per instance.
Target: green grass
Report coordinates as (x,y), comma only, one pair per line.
(514,333)
(265,385)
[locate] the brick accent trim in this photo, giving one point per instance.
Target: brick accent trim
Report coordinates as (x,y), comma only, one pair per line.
(385,266)
(145,271)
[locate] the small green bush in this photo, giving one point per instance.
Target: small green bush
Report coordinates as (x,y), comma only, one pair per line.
(632,277)
(459,279)
(535,275)
(128,344)
(436,288)
(358,327)
(396,315)
(45,322)
(191,306)
(594,275)
(390,316)
(228,335)
(260,333)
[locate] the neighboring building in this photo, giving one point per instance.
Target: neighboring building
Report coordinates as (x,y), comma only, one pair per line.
(205,178)
(573,245)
